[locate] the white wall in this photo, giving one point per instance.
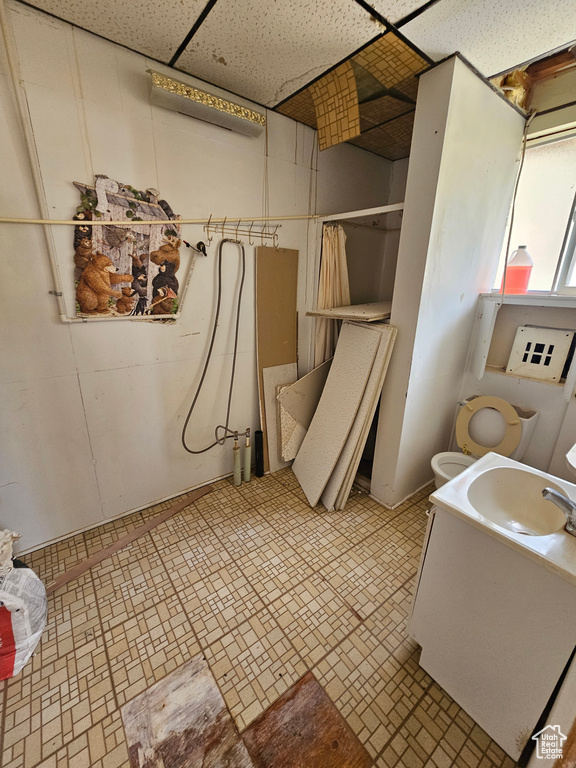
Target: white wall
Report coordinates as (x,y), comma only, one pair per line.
(398,181)
(91,413)
(351,179)
(566,440)
(460,179)
(365,256)
(547,399)
(372,254)
(555,430)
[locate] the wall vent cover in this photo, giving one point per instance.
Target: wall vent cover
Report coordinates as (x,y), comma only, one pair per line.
(539,353)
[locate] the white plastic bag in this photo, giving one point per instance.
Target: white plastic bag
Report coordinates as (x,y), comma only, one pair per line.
(23,608)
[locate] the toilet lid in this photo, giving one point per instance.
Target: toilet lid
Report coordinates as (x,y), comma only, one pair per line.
(512,435)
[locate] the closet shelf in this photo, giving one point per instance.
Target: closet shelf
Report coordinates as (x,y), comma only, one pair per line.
(368,313)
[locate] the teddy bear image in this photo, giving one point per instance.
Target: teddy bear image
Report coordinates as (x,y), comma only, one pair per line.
(82,255)
(95,285)
(125,304)
(165,284)
(164,290)
(168,253)
(82,230)
(139,284)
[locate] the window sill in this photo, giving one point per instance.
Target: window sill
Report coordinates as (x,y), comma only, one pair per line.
(503,372)
(534,299)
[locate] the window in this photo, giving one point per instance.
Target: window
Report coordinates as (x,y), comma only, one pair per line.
(566,277)
(544,209)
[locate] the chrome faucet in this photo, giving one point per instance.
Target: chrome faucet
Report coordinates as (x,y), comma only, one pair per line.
(565,504)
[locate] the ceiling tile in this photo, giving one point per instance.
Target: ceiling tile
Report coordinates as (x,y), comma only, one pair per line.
(267,51)
(300,107)
(373,113)
(336,104)
(153,27)
(494,35)
(395,10)
(390,60)
(391,140)
(409,87)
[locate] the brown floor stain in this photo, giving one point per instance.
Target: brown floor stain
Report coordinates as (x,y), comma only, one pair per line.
(303,729)
(182,722)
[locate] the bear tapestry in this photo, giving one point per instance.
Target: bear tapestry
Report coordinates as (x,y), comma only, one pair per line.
(128,270)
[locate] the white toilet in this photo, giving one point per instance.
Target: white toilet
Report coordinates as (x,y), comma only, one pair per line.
(484,424)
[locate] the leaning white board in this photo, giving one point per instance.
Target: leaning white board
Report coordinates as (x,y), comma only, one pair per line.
(355,463)
(329,428)
(301,398)
(338,487)
(292,434)
(272,378)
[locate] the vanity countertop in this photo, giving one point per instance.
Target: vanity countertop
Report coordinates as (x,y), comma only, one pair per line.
(554,551)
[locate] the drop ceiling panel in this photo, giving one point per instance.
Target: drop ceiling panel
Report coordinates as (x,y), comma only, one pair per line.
(267,51)
(380,111)
(390,60)
(336,103)
(408,87)
(153,27)
(391,140)
(395,10)
(494,35)
(300,107)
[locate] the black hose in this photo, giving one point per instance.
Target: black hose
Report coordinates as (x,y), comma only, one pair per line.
(219,441)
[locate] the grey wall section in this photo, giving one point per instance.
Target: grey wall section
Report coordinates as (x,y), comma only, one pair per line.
(460,180)
(352,179)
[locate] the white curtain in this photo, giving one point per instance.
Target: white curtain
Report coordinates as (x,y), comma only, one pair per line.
(333,289)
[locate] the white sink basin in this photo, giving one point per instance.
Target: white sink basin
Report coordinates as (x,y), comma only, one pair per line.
(512,498)
(504,499)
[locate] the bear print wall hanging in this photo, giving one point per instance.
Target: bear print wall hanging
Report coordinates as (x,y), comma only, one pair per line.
(125,271)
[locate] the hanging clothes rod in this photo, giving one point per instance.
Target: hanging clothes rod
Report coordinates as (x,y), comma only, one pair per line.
(210,220)
(130,223)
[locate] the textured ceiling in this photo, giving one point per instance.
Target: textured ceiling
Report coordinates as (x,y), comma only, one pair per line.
(279,53)
(494,35)
(152,27)
(379,115)
(396,10)
(266,51)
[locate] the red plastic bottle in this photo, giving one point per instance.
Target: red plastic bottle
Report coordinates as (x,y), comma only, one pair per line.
(518,272)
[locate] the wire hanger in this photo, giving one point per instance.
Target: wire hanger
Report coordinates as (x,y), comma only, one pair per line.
(208,230)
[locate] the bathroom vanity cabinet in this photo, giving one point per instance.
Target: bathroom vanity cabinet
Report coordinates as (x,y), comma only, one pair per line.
(496,628)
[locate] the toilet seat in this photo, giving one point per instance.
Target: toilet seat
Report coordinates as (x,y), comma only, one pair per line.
(512,435)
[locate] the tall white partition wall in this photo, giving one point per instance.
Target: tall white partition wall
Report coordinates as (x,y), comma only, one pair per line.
(463,164)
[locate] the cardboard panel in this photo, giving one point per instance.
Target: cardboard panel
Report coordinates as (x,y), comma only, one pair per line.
(343,391)
(276,322)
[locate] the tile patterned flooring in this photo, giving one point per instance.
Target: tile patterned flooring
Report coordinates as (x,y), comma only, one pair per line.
(267,589)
